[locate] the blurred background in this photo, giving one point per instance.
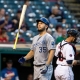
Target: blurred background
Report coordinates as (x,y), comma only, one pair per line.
(62,15)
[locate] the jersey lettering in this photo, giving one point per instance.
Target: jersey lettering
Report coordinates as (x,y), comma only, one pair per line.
(42,49)
(60,56)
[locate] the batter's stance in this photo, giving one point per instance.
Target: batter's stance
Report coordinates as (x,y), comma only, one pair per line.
(65,52)
(43,51)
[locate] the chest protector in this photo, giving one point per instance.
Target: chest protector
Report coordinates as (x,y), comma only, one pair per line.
(60,54)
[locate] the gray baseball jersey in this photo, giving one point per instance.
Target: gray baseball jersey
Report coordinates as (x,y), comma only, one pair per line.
(41,47)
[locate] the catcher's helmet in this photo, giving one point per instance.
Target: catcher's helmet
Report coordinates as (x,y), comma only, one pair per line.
(44,20)
(73,33)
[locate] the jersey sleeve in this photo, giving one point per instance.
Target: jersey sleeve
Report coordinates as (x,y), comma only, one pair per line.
(70,53)
(50,43)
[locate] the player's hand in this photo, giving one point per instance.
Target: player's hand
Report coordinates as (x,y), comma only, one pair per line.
(22,60)
(74,62)
(44,70)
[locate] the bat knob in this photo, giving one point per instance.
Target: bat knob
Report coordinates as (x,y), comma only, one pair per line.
(14,47)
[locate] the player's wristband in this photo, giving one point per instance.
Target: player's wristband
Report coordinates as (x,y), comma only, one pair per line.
(78,61)
(46,65)
(24,58)
(69,61)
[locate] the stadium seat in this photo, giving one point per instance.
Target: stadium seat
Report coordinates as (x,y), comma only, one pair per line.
(26,37)
(11,37)
(40,9)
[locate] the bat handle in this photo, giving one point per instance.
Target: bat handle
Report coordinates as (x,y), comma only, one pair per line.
(14,47)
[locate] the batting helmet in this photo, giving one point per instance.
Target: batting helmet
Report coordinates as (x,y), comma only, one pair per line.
(44,20)
(72,32)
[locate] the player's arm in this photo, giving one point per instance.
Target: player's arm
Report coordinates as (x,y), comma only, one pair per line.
(50,58)
(50,46)
(31,53)
(70,55)
(27,57)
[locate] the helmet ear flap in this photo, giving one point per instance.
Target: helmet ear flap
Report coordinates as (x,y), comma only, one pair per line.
(68,33)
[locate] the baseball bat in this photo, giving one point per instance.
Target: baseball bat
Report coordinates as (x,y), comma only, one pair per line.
(20,23)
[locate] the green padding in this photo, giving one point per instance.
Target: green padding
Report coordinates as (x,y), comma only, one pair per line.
(16,51)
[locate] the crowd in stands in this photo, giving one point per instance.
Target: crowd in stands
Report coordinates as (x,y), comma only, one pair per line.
(10,24)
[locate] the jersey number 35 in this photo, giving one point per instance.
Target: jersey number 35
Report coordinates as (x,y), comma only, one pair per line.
(42,49)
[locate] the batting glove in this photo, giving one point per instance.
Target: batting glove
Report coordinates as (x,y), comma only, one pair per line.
(44,70)
(22,60)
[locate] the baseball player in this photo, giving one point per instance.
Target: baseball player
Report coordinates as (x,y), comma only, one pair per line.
(65,53)
(43,51)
